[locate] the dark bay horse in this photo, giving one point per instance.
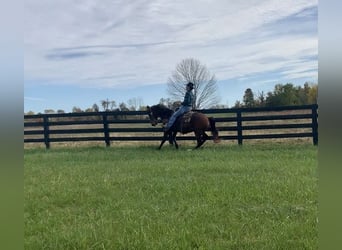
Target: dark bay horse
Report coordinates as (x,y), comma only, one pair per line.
(190,122)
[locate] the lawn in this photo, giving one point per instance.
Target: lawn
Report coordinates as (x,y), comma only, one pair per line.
(261,196)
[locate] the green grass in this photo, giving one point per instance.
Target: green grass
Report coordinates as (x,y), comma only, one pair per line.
(218,197)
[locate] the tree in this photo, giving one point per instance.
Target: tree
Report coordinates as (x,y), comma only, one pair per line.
(261,99)
(123,107)
(205,87)
(49,111)
(238,104)
(76,110)
(283,95)
(88,110)
(288,94)
(112,105)
(313,94)
(166,102)
(135,103)
(105,104)
(95,107)
(248,98)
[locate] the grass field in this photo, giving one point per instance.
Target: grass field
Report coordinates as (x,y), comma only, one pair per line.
(261,196)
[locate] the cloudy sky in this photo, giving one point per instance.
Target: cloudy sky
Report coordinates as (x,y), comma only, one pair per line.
(79,52)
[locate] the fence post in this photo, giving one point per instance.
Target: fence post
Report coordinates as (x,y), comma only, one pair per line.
(105,130)
(239,126)
(314,125)
(46,131)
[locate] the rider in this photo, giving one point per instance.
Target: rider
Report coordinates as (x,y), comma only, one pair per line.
(185,107)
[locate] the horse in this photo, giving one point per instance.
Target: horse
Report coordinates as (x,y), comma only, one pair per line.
(189,122)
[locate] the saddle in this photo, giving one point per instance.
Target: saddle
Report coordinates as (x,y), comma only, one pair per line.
(185,121)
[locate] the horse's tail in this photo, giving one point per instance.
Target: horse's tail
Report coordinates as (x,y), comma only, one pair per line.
(213,129)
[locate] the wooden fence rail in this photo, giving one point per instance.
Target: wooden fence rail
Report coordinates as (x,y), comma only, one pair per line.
(234,124)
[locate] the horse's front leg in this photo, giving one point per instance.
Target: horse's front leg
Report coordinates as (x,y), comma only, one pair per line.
(165,137)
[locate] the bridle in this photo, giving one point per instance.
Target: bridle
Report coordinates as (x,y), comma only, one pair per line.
(153,120)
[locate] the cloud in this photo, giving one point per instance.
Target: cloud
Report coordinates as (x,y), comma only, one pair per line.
(126,43)
(70,55)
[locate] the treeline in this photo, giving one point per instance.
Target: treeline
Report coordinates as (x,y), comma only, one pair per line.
(134,104)
(282,95)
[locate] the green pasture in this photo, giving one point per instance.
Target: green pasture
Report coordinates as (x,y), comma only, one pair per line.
(261,196)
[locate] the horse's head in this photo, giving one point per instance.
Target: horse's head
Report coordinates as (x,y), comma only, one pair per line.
(158,111)
(152,115)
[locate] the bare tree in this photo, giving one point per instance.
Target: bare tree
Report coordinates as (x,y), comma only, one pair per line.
(95,107)
(205,87)
(135,103)
(112,105)
(105,104)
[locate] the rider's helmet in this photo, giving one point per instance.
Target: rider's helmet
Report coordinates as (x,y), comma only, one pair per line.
(190,85)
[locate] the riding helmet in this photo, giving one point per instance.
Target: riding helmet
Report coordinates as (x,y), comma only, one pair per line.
(190,84)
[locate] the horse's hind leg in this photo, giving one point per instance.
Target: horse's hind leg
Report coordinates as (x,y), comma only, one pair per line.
(173,135)
(205,136)
(170,139)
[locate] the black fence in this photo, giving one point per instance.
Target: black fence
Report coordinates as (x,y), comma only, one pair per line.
(233,124)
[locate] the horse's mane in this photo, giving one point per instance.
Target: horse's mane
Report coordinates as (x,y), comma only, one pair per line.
(161,110)
(162,107)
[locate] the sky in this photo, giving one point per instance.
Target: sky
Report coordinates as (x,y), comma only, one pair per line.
(79,52)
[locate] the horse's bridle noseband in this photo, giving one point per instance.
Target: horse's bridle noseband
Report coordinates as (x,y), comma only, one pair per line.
(153,120)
